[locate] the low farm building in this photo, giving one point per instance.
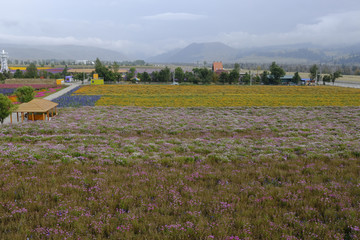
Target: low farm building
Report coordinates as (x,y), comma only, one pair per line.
(36,109)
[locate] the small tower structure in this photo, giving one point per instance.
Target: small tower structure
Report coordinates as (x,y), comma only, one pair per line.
(4,61)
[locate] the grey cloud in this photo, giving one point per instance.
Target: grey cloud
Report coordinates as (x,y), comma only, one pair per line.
(151,27)
(332,29)
(169,16)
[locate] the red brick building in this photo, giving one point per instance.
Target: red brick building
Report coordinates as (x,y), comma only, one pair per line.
(217,66)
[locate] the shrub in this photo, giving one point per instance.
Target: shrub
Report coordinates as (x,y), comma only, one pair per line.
(5,107)
(25,94)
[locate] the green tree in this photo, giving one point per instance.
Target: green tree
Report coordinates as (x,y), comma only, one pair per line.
(25,94)
(215,78)
(258,68)
(100,69)
(205,75)
(223,78)
(357,72)
(296,78)
(164,75)
(139,63)
(2,77)
(6,107)
(202,75)
(276,73)
(246,78)
(196,74)
(256,79)
(179,74)
(146,77)
(109,75)
(7,74)
(98,65)
(43,74)
(265,78)
(314,72)
(237,67)
(64,72)
(155,76)
(189,77)
(130,74)
(80,76)
(105,72)
(31,71)
(326,78)
(335,75)
(233,76)
(115,68)
(57,76)
(18,74)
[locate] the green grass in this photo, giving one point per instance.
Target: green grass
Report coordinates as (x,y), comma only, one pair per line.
(168,173)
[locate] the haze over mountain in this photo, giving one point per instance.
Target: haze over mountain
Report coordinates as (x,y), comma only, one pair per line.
(198,52)
(61,52)
(143,29)
(194,53)
(297,53)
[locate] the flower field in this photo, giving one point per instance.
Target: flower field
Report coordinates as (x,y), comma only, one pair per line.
(7,91)
(221,96)
(35,86)
(183,173)
(39,93)
(48,69)
(72,100)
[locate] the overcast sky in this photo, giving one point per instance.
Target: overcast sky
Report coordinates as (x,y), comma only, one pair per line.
(148,27)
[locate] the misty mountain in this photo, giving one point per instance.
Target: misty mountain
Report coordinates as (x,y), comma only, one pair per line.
(61,52)
(198,52)
(284,54)
(298,53)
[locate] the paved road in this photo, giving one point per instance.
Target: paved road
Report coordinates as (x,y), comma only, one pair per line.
(350,85)
(50,97)
(62,92)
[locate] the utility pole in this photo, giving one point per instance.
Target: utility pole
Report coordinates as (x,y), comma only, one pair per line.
(320,71)
(250,78)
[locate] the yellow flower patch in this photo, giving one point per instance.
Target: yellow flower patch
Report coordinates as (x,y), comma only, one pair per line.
(221,96)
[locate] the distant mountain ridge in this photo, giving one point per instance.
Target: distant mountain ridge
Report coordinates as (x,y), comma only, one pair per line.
(198,52)
(195,53)
(61,52)
(299,53)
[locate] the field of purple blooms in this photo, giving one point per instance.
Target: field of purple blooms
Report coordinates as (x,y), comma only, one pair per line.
(183,173)
(8,89)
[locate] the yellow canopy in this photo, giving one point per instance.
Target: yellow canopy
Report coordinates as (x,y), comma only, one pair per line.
(37,105)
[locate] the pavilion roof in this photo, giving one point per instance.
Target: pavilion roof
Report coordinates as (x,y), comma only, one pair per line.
(37,105)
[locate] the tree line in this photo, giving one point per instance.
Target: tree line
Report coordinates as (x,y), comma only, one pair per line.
(325,68)
(204,75)
(33,72)
(199,75)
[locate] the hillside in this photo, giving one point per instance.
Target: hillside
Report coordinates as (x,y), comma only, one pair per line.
(198,52)
(299,53)
(61,52)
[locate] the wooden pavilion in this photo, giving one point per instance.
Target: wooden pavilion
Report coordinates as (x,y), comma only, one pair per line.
(36,109)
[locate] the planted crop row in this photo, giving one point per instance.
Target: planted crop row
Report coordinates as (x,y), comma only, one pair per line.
(221,96)
(183,173)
